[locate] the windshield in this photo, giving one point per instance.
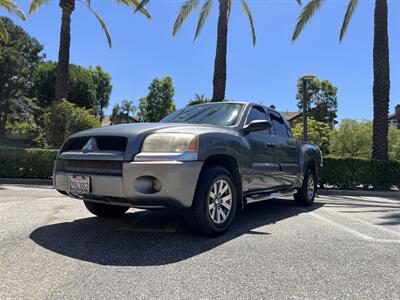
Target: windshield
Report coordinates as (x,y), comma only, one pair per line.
(223,114)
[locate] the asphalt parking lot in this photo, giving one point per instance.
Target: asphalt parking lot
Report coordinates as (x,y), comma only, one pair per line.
(343,247)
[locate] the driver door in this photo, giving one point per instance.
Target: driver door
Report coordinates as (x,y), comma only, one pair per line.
(265,172)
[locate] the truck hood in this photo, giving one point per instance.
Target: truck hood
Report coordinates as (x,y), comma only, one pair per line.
(135,133)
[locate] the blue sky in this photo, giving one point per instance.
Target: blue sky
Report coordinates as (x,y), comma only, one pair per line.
(266,73)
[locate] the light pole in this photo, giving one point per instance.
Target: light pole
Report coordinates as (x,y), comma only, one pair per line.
(306,79)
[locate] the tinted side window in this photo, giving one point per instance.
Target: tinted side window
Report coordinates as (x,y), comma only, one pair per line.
(289,130)
(279,125)
(257,113)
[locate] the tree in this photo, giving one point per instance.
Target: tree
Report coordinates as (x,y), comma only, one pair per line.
(123,113)
(82,89)
(322,104)
(64,118)
(67,7)
(18,59)
(103,88)
(159,102)
(219,80)
(13,8)
(394,144)
(352,139)
(381,87)
(198,99)
(319,133)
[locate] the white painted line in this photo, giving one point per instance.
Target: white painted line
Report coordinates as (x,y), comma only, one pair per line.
(379,227)
(352,231)
(343,227)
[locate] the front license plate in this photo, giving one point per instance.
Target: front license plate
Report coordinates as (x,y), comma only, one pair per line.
(79,185)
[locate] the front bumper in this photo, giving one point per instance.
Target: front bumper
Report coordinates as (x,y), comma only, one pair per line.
(178,180)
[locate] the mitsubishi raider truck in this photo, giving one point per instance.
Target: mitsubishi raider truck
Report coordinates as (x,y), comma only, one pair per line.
(208,160)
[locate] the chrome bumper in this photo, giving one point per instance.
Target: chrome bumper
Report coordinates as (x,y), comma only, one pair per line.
(133,188)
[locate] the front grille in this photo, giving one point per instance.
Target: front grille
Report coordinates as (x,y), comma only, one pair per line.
(105,143)
(110,167)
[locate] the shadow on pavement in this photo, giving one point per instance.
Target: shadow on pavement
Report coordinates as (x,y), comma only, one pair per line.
(148,238)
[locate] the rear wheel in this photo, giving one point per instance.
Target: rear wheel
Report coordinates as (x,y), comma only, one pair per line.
(105,210)
(306,194)
(214,204)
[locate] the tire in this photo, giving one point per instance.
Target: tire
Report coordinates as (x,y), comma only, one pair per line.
(306,194)
(105,210)
(205,216)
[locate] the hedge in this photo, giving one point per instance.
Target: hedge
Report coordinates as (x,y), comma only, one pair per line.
(345,173)
(350,173)
(26,163)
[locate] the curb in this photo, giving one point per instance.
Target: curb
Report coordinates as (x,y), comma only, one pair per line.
(389,194)
(28,181)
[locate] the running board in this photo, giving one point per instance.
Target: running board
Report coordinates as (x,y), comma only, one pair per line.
(267,196)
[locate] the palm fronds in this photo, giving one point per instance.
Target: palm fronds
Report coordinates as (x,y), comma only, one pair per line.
(205,11)
(12,8)
(306,14)
(183,13)
(349,13)
(247,11)
(3,33)
(141,5)
(36,4)
(137,5)
(102,23)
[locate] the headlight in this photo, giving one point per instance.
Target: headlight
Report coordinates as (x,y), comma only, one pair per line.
(170,143)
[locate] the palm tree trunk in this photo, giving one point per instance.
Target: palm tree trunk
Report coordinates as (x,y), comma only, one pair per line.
(67,7)
(219,80)
(381,87)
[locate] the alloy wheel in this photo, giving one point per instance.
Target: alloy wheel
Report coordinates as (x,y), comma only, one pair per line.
(310,187)
(220,201)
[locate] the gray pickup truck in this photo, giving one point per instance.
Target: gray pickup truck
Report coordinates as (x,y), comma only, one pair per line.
(208,160)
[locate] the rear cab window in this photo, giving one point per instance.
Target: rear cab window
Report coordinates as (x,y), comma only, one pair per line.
(280,126)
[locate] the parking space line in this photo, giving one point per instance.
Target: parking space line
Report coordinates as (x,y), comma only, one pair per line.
(391,231)
(341,226)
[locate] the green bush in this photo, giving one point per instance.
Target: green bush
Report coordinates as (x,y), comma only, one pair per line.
(26,163)
(63,119)
(349,173)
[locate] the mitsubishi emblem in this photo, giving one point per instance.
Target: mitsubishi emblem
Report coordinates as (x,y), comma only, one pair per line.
(90,146)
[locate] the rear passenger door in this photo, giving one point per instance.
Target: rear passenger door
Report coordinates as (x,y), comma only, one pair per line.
(265,172)
(286,150)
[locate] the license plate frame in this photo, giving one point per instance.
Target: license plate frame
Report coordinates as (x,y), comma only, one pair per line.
(79,184)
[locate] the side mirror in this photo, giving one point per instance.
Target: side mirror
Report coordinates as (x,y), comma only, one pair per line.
(257,125)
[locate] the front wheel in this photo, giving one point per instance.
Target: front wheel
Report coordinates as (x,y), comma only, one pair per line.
(105,210)
(306,194)
(214,204)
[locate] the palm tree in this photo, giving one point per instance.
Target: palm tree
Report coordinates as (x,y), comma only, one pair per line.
(219,80)
(13,8)
(381,86)
(67,7)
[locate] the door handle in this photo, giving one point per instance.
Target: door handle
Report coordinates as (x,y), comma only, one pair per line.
(272,145)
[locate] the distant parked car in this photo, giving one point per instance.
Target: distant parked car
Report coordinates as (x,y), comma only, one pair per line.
(208,160)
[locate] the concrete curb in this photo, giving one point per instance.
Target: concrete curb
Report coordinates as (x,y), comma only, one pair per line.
(329,192)
(27,181)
